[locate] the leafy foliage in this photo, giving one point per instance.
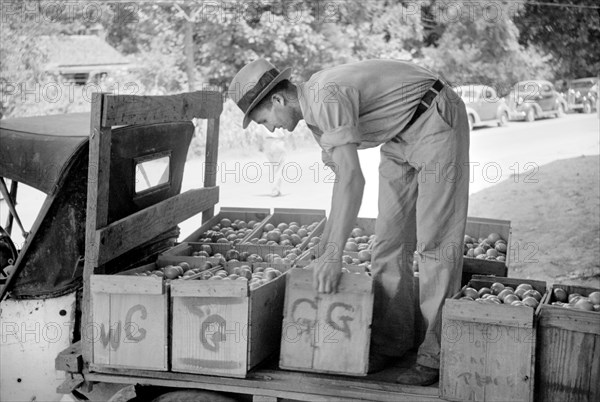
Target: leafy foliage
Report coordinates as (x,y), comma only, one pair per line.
(181,45)
(569,31)
(482,47)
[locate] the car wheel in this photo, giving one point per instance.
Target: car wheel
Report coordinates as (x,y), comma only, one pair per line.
(530,116)
(503,120)
(587,108)
(561,110)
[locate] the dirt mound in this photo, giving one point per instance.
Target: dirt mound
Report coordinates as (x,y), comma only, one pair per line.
(555,218)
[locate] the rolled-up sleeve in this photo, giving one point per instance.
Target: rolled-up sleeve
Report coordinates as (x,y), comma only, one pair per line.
(336,114)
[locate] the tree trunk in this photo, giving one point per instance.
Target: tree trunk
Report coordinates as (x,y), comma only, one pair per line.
(188,49)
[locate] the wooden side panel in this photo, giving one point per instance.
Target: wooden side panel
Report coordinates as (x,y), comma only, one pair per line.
(100,320)
(123,235)
(133,109)
(568,351)
(568,365)
(331,333)
(266,315)
(143,339)
(246,214)
(209,335)
(210,160)
(129,327)
(298,333)
(345,338)
(486,362)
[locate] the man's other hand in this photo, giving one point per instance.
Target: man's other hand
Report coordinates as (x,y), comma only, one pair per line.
(326,274)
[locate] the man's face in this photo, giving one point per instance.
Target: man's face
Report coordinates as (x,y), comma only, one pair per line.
(279,115)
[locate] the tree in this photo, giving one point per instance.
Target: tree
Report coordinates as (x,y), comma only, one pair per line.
(481,46)
(568,30)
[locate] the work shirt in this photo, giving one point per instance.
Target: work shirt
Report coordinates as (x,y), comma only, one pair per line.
(365,103)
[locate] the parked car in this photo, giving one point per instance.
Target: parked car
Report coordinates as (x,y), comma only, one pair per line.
(535,99)
(484,106)
(583,95)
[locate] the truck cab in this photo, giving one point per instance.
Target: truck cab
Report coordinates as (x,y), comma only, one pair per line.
(42,280)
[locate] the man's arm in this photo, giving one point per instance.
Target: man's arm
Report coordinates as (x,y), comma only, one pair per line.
(345,204)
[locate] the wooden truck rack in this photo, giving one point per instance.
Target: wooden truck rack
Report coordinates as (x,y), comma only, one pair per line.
(105,242)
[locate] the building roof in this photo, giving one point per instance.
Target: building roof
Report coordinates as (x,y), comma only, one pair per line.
(80,53)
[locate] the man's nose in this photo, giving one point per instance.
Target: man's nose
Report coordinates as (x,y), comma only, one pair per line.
(270,127)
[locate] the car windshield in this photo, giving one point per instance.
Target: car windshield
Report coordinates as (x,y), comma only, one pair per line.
(582,84)
(468,93)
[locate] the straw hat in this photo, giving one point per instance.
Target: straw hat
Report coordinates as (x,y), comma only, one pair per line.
(252,83)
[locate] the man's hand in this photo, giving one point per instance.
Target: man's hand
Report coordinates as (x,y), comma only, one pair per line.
(326,274)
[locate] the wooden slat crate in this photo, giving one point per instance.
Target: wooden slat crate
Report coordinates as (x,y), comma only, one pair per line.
(183,253)
(130,320)
(488,350)
(287,215)
(328,333)
(568,351)
(222,328)
(483,227)
(232,213)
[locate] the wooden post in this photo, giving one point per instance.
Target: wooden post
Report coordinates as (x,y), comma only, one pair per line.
(210,163)
(97,211)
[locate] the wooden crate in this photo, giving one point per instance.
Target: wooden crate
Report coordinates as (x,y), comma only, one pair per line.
(488,350)
(130,320)
(183,253)
(327,333)
(247,214)
(482,227)
(287,215)
(223,328)
(367,225)
(568,351)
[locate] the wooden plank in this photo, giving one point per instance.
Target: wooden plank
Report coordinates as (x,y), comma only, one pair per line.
(210,160)
(96,212)
(266,316)
(114,284)
(246,214)
(567,366)
(210,288)
(263,398)
(134,109)
(121,236)
(102,333)
(587,322)
(512,316)
(70,359)
(209,335)
(486,362)
(71,383)
(299,211)
(298,332)
(345,322)
(276,383)
(143,339)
